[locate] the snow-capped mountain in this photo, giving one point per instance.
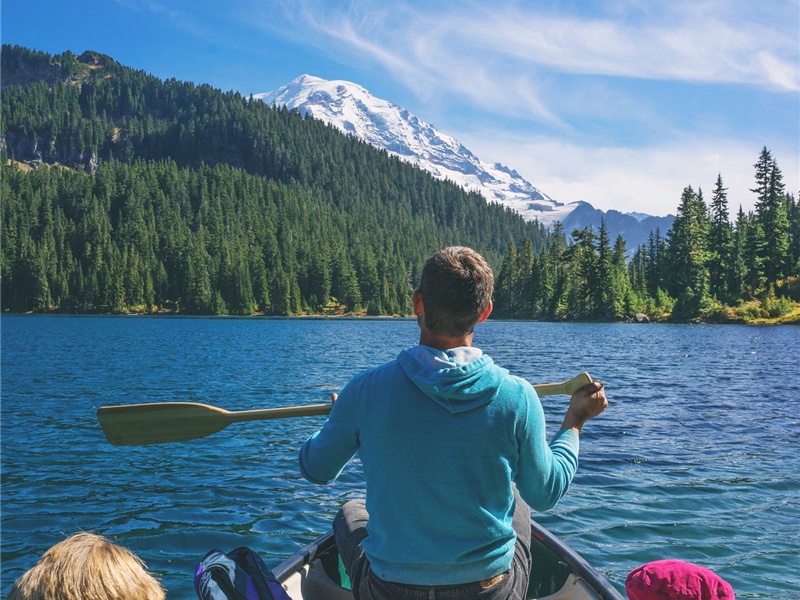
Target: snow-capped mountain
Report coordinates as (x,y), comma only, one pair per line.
(355,111)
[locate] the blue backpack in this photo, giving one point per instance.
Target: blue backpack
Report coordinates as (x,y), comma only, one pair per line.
(238,575)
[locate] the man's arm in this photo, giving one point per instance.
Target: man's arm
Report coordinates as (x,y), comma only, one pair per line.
(546,470)
(585,404)
(325,453)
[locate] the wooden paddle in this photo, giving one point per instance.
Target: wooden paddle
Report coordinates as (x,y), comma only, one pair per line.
(161,422)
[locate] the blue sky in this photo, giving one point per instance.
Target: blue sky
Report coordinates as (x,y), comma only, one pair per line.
(619,103)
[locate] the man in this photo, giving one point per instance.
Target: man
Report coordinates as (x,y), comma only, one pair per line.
(453,450)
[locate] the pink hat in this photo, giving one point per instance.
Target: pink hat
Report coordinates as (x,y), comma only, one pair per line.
(676,580)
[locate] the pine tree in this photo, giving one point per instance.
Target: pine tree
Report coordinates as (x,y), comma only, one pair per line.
(737,270)
(754,244)
(603,280)
(770,212)
(506,288)
(622,296)
(793,215)
(558,254)
(654,263)
(688,253)
(544,284)
(583,271)
(719,242)
(525,272)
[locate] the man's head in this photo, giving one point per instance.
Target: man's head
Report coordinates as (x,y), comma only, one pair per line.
(456,288)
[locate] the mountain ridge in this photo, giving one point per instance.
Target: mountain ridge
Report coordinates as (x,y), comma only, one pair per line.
(123,192)
(354,110)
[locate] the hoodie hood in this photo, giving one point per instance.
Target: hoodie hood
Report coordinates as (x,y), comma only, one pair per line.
(459,379)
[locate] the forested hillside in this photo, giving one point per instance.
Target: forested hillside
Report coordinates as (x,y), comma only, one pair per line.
(124,192)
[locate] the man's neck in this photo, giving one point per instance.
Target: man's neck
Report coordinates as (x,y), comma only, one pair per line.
(443,342)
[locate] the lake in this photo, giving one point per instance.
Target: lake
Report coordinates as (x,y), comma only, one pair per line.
(697,457)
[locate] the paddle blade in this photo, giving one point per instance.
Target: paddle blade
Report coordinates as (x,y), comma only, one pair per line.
(158,423)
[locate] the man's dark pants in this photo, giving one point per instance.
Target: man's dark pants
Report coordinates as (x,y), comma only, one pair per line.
(349,527)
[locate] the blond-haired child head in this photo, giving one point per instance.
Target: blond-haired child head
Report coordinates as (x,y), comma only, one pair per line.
(86,566)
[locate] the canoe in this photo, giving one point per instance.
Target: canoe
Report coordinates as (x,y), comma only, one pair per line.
(559,573)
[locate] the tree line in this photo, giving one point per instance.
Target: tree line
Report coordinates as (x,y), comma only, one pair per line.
(166,195)
(703,267)
(163,195)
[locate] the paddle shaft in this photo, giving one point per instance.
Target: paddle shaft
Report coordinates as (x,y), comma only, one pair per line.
(162,422)
(542,389)
(259,414)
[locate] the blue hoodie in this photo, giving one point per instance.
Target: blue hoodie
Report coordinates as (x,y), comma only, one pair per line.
(441,437)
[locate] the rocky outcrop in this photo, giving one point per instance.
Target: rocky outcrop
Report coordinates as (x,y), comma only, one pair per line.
(34,152)
(23,67)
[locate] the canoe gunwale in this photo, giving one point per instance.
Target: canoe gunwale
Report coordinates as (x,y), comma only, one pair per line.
(576,562)
(304,556)
(599,584)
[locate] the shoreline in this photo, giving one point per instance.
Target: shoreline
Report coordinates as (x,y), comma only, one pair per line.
(792,318)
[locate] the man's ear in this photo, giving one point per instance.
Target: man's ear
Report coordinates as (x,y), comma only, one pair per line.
(486,313)
(419,305)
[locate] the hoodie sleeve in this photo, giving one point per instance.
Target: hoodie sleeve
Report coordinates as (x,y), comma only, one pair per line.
(545,470)
(324,454)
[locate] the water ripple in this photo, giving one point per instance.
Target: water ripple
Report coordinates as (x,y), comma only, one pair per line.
(696,458)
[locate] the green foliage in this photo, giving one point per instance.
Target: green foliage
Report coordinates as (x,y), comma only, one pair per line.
(174,196)
(181,197)
(771,217)
(703,264)
(562,282)
(719,242)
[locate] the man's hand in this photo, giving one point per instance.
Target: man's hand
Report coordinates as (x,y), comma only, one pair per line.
(586,403)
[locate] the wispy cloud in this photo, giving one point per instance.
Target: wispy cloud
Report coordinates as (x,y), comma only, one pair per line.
(493,54)
(698,42)
(648,179)
(582,73)
(618,102)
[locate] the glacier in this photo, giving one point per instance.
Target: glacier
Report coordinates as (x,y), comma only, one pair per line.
(383,124)
(355,111)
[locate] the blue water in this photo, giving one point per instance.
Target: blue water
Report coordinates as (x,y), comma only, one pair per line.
(697,457)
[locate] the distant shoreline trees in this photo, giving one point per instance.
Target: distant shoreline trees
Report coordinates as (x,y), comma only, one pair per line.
(124,193)
(704,266)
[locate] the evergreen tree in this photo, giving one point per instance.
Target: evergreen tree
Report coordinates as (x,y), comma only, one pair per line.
(544,284)
(688,254)
(771,215)
(603,279)
(793,215)
(654,267)
(622,296)
(583,270)
(637,270)
(558,255)
(737,269)
(506,288)
(754,253)
(525,271)
(720,235)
